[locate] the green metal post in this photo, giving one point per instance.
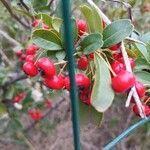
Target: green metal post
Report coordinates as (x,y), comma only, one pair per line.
(71,67)
(126,133)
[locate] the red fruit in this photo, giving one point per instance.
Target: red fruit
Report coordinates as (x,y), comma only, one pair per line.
(117,55)
(91,56)
(23,56)
(82,27)
(36,115)
(16,99)
(117,67)
(45,26)
(85,96)
(30,58)
(146,8)
(115,47)
(132,62)
(140,89)
(35,22)
(30,69)
(123,81)
(18,53)
(47,67)
(83,63)
(55,83)
(82,81)
(31,49)
(145,107)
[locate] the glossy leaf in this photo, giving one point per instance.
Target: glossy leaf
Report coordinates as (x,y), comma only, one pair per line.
(56,23)
(93,18)
(91,43)
(45,18)
(116,32)
(102,93)
(46,40)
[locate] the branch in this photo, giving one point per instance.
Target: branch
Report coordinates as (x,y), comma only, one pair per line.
(126,61)
(45,115)
(4,34)
(24,5)
(14,15)
(14,80)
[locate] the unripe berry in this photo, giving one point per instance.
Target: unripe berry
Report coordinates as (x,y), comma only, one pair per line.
(82,27)
(30,69)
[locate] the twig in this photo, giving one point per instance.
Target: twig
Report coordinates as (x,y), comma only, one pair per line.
(5,58)
(24,5)
(126,61)
(10,39)
(8,7)
(46,114)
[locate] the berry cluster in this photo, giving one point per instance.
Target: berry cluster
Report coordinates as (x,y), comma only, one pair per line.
(122,80)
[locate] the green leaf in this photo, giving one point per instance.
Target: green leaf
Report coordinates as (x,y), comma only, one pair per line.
(74,31)
(45,18)
(60,55)
(46,40)
(102,93)
(89,115)
(56,23)
(143,77)
(91,43)
(141,64)
(92,17)
(116,32)
(145,38)
(143,51)
(10,92)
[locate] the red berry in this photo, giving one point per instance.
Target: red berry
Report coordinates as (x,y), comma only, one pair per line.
(117,67)
(85,96)
(23,56)
(123,81)
(146,8)
(82,27)
(132,62)
(18,53)
(82,81)
(140,89)
(83,63)
(55,83)
(31,49)
(91,56)
(30,58)
(117,55)
(35,22)
(145,107)
(45,26)
(16,99)
(36,115)
(30,69)
(115,47)
(47,67)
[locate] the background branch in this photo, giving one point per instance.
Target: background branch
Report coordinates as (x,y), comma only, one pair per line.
(8,7)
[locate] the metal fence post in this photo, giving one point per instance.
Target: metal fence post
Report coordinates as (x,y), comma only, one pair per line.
(71,67)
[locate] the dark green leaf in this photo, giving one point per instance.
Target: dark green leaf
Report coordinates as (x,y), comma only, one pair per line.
(102,93)
(92,17)
(89,115)
(116,32)
(46,40)
(45,18)
(91,43)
